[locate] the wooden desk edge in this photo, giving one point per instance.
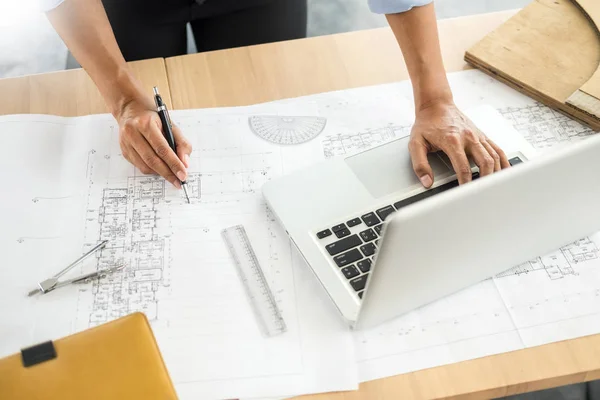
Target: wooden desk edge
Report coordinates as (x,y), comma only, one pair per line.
(526,370)
(72,93)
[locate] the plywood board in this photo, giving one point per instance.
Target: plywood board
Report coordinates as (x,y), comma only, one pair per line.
(550,51)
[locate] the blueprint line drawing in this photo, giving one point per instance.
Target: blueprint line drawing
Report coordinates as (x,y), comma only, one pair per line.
(135,217)
(177,270)
(560,263)
(541,126)
(348,143)
(285,129)
(127,217)
(544,127)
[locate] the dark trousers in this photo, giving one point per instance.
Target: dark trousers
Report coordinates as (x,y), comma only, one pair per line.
(157,28)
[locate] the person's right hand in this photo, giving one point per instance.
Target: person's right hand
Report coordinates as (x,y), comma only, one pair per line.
(144,145)
(443,127)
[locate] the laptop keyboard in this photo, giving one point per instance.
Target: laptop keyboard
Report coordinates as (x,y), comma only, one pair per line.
(357,239)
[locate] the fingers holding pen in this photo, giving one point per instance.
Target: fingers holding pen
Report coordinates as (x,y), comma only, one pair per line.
(154,137)
(184,147)
(140,153)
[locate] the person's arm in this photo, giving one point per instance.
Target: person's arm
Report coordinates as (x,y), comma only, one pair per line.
(439,124)
(84,27)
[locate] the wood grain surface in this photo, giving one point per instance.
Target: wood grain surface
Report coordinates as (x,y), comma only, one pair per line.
(256,74)
(548,51)
(72,93)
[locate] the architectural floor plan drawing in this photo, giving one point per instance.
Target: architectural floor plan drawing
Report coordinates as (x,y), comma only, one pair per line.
(81,190)
(540,125)
(544,127)
(349,143)
(559,264)
(177,270)
(128,217)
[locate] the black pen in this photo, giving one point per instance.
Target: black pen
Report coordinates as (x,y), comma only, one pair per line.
(163,113)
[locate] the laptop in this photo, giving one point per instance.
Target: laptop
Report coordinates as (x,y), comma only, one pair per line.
(381,245)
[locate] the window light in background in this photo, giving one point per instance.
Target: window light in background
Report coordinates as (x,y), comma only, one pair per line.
(28,44)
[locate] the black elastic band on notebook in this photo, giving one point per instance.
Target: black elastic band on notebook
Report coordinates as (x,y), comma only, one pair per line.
(38,354)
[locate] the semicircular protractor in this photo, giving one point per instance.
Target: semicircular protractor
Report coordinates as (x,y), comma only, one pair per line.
(286,130)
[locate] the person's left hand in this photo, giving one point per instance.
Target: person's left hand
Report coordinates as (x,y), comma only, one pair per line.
(443,127)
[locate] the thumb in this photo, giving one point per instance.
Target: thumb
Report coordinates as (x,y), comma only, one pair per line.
(418,152)
(184,148)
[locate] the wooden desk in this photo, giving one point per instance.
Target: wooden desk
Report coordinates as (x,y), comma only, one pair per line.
(72,93)
(269,72)
(275,71)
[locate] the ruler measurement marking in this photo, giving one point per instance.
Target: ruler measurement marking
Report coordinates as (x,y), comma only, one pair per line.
(253,279)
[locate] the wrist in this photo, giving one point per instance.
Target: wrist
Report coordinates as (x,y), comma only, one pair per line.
(124,89)
(433,100)
(430,91)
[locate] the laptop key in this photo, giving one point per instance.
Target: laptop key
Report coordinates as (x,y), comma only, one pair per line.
(354,222)
(360,294)
(350,272)
(338,228)
(359,283)
(370,219)
(368,235)
(347,258)
(364,265)
(385,212)
(343,245)
(324,234)
(342,233)
(378,229)
(368,249)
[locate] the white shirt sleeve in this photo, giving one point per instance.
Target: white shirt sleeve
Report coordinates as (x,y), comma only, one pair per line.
(47,5)
(395,6)
(377,6)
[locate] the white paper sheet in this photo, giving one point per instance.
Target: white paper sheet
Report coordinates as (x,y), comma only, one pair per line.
(69,187)
(553,298)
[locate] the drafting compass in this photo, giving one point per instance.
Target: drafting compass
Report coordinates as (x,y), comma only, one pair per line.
(53,283)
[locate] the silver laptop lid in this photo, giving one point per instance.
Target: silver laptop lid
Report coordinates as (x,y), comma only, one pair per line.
(458,238)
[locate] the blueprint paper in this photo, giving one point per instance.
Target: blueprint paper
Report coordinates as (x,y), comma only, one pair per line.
(566,302)
(481,320)
(552,298)
(70,187)
(80,190)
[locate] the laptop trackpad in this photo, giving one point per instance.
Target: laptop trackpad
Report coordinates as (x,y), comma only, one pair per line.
(387,169)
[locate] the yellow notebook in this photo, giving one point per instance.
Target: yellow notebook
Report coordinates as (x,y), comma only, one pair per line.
(117,360)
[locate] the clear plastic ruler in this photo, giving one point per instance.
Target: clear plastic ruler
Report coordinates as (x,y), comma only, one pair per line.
(253,279)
